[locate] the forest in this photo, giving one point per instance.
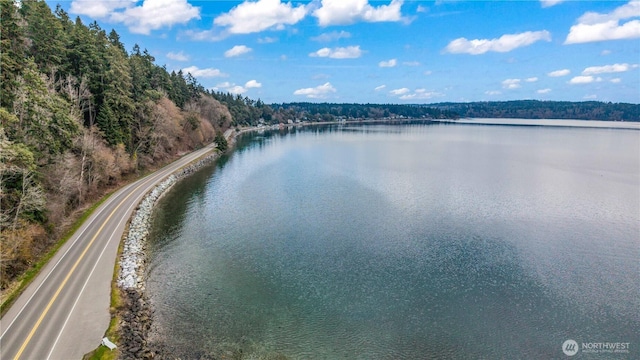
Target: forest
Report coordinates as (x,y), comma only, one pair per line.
(78,115)
(534,109)
(331,112)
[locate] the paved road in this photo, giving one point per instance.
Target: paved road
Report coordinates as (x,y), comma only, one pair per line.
(64,313)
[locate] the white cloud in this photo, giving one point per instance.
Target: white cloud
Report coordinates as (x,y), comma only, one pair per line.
(493,92)
(349,52)
(236,89)
(99,8)
(511,84)
(151,15)
(616,80)
(544,91)
(422,9)
(205,35)
(332,36)
(611,30)
(345,12)
(223,85)
(590,97)
(156,14)
(594,26)
(550,3)
(400,91)
(203,73)
(531,79)
(267,40)
(605,52)
(318,92)
(505,43)
(428,72)
(615,68)
(559,73)
(629,10)
(230,88)
(584,80)
(390,63)
(179,56)
(421,94)
(411,63)
(252,84)
(378,88)
(237,51)
(250,17)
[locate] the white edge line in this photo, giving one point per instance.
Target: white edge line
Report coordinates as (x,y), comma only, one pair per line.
(129,210)
(80,235)
(94,218)
(89,278)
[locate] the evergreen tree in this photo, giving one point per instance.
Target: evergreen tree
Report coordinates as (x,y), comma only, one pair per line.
(141,71)
(221,142)
(114,39)
(46,34)
(45,123)
(179,93)
(115,116)
(12,52)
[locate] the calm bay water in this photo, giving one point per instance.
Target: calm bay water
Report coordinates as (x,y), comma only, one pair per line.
(403,242)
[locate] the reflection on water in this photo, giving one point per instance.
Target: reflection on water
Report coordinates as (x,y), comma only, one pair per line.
(403,242)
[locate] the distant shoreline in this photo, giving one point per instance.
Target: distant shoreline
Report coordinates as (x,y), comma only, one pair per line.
(573,123)
(594,124)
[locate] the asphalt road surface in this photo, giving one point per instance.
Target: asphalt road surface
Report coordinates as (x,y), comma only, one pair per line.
(64,313)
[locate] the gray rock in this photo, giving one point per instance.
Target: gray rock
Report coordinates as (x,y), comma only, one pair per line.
(137,314)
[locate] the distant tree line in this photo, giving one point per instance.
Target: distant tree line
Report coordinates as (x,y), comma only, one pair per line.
(244,111)
(533,109)
(331,112)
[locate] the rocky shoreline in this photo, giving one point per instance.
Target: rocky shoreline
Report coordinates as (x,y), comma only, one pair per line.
(135,317)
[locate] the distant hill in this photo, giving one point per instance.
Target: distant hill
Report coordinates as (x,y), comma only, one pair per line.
(534,109)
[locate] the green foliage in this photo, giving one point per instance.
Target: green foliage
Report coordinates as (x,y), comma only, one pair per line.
(12,52)
(114,39)
(22,198)
(44,118)
(243,110)
(108,123)
(116,115)
(142,69)
(59,78)
(533,109)
(179,92)
(192,119)
(14,157)
(46,35)
(331,112)
(221,142)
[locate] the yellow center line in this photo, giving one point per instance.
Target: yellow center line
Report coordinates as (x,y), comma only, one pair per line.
(64,282)
(55,296)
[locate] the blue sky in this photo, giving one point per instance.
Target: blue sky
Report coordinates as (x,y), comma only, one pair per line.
(388,51)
